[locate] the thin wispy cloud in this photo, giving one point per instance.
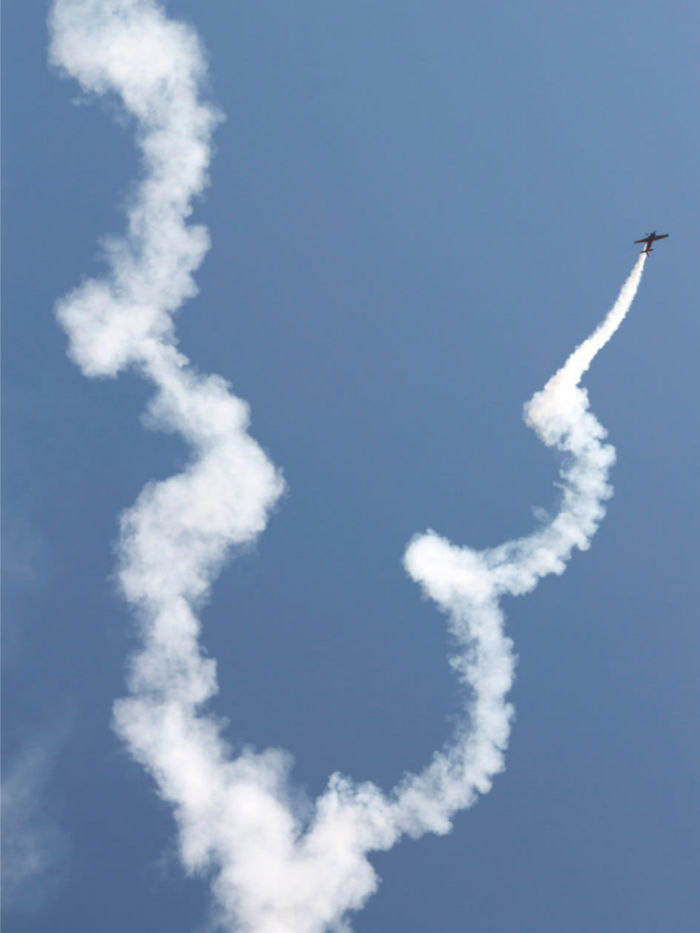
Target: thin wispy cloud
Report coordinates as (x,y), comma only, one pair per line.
(35,848)
(22,549)
(275,866)
(24,570)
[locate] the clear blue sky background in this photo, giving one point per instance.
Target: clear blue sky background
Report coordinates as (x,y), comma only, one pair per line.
(417,210)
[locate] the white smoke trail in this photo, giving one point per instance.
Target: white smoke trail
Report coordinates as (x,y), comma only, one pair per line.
(276,866)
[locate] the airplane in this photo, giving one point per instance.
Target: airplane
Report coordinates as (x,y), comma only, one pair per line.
(650,239)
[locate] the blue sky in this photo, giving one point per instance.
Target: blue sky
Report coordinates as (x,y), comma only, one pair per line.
(417,211)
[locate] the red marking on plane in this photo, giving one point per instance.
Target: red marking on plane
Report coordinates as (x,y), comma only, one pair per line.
(650,239)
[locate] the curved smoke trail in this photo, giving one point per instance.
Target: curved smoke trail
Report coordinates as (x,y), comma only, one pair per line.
(273,868)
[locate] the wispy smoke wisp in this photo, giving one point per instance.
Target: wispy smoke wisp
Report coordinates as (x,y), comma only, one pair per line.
(35,849)
(274,869)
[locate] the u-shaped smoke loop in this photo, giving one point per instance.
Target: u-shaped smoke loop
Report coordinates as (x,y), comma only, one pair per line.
(274,869)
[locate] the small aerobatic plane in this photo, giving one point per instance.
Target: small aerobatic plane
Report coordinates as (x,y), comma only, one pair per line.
(650,239)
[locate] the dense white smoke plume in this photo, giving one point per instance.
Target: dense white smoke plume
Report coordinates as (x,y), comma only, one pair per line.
(274,868)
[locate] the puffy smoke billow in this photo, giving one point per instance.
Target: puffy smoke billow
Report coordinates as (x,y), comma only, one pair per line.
(273,867)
